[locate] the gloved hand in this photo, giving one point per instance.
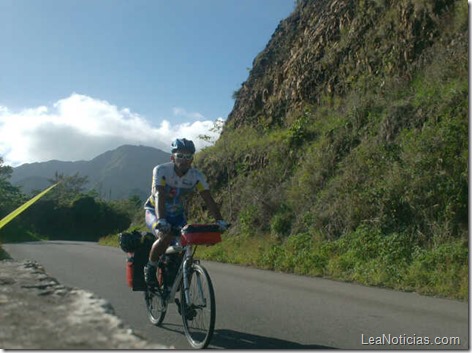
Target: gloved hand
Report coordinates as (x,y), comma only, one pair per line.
(162,225)
(222,224)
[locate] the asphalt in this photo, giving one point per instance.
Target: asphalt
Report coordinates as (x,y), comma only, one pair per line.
(258,309)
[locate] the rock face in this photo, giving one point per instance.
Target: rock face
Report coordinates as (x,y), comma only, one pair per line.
(37,312)
(326,48)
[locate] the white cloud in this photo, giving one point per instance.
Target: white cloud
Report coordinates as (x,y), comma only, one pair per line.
(81,127)
(181,112)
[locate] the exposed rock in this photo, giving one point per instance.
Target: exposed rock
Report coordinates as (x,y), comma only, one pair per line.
(325,47)
(37,312)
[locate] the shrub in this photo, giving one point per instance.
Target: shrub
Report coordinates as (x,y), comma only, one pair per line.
(281,222)
(442,270)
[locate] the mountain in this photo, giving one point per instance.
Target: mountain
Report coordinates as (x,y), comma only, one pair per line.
(354,115)
(120,173)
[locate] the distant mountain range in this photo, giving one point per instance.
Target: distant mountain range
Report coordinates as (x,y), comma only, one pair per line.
(117,174)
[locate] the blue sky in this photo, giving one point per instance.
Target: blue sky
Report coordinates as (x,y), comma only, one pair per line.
(148,69)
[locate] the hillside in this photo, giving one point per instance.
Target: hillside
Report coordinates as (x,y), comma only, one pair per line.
(348,144)
(355,112)
(120,173)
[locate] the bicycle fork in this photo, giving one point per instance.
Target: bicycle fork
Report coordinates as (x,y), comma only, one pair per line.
(188,260)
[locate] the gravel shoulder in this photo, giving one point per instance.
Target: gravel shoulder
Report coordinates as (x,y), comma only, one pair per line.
(37,312)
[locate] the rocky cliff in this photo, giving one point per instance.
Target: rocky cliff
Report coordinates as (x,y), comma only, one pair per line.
(327,48)
(355,113)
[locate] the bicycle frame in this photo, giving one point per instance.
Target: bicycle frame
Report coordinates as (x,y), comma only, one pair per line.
(182,273)
(196,302)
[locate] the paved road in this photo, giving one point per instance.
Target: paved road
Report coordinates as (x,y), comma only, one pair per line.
(265,310)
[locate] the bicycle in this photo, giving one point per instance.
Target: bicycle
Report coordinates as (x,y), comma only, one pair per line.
(180,272)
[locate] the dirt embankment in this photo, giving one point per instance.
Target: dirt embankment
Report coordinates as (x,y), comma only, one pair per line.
(37,312)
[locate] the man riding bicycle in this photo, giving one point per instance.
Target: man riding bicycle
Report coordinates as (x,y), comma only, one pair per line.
(172,182)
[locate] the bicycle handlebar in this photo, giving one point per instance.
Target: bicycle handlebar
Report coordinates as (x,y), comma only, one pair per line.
(179,228)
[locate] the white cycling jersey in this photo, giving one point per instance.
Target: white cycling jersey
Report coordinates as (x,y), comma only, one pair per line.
(177,188)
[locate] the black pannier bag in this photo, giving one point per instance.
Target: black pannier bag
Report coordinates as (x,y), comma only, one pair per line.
(170,267)
(137,246)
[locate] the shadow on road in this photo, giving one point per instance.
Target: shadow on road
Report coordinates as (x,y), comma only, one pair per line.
(229,339)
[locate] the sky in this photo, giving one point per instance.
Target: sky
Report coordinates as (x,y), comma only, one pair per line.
(80,77)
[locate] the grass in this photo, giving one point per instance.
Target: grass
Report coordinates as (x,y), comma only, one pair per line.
(20,237)
(110,240)
(365,256)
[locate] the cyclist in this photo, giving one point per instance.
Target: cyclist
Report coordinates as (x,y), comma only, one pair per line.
(171,184)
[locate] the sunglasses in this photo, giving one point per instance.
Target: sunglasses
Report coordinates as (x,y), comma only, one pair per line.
(186,156)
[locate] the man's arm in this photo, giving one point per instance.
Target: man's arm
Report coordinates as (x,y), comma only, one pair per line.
(211,204)
(160,201)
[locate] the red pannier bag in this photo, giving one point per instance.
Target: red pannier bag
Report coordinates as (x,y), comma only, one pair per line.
(200,234)
(130,276)
(136,259)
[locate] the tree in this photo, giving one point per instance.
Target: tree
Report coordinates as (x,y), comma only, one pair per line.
(218,129)
(10,196)
(68,189)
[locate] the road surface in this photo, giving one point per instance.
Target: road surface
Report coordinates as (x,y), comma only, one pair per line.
(259,309)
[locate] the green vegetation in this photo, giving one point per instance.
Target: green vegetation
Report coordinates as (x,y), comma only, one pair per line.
(15,213)
(64,213)
(345,156)
(10,196)
(365,179)
(364,256)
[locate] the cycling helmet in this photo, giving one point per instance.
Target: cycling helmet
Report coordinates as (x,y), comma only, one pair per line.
(182,144)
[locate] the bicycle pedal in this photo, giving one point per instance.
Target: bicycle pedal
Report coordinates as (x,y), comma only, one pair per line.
(190,314)
(153,289)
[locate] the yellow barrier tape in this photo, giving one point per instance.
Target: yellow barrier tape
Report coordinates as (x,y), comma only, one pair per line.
(12,215)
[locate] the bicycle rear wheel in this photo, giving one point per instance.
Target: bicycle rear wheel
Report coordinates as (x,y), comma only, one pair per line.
(156,307)
(200,314)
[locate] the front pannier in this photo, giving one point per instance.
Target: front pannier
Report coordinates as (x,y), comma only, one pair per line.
(200,234)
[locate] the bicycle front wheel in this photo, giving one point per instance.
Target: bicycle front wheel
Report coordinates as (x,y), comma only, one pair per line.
(199,314)
(156,307)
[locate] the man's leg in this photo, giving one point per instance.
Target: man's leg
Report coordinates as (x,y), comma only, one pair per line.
(157,249)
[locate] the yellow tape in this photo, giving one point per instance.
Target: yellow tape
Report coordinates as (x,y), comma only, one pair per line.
(15,213)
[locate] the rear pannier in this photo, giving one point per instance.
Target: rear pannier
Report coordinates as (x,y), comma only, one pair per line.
(137,246)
